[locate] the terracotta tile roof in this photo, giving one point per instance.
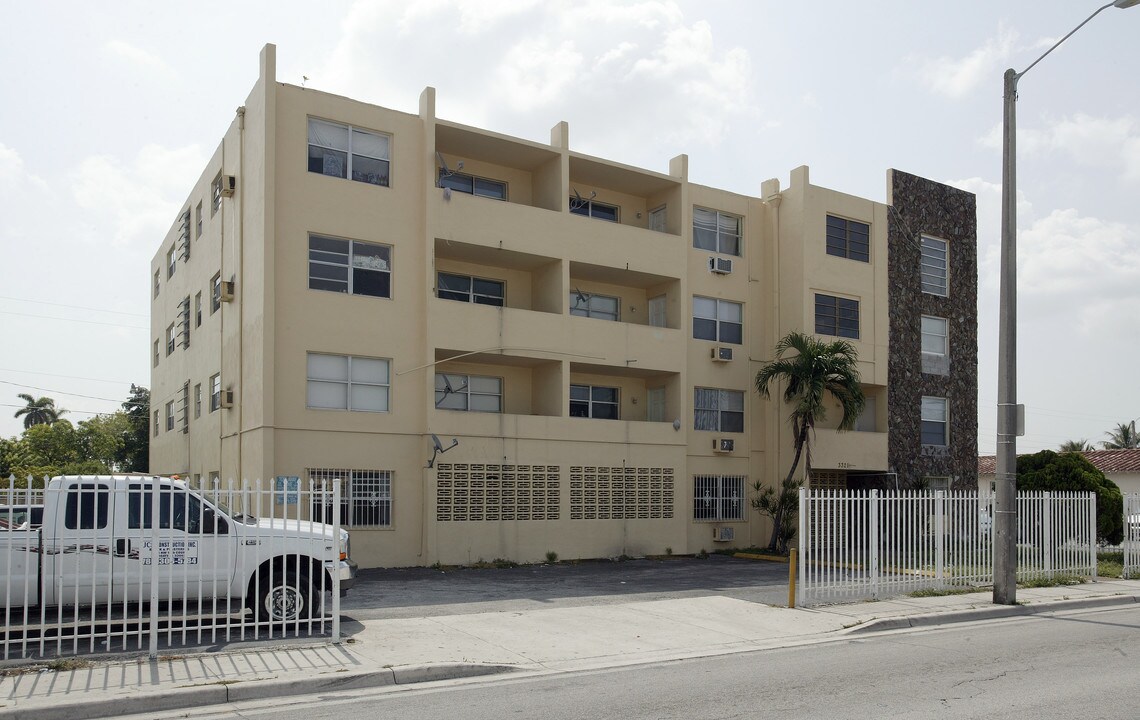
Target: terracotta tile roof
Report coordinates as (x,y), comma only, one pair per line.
(1107,461)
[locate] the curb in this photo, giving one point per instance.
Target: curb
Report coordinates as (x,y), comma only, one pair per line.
(987,613)
(222,693)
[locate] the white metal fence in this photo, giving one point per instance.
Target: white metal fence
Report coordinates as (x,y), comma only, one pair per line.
(138,563)
(870,544)
(1131,544)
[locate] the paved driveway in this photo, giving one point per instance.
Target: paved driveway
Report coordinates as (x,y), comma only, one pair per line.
(423,592)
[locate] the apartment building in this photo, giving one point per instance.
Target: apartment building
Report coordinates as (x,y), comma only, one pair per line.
(504,348)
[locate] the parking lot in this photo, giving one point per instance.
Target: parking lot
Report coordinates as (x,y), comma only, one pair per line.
(427,592)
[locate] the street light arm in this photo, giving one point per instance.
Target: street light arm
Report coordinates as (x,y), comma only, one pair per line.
(1058,43)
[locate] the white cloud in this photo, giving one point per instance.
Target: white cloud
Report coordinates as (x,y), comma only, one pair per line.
(146,61)
(537,72)
(957,77)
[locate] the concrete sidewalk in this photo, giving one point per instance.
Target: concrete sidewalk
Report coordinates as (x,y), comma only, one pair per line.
(411,650)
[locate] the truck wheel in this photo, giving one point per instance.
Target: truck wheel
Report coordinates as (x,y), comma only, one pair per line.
(287,598)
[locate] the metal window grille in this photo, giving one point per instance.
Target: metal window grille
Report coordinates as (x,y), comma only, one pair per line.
(365,501)
(718,497)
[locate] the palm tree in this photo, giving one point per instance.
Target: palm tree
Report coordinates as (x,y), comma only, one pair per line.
(817,369)
(1122,437)
(38,411)
(1077,446)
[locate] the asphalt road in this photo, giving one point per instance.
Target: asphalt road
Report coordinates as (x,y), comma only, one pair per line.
(1071,665)
(424,592)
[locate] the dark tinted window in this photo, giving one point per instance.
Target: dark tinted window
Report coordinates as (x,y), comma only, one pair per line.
(86,507)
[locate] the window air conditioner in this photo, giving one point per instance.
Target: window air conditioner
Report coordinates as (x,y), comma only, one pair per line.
(724,534)
(724,445)
(720,266)
(227,291)
(226,399)
(720,353)
(228,185)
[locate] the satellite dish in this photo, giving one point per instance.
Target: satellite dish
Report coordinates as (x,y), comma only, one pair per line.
(435,443)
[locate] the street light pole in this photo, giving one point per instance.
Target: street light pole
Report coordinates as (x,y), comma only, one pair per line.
(1005,501)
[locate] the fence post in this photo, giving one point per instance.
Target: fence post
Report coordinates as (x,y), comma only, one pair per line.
(1092,532)
(155,514)
(1047,533)
(873,539)
(939,536)
(805,543)
(336,561)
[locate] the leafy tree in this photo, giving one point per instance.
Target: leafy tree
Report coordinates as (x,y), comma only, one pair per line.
(134,455)
(817,369)
(38,411)
(1122,437)
(1077,446)
(55,444)
(1071,472)
(781,506)
(7,447)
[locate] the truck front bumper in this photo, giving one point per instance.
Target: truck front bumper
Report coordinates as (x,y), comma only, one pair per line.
(346,571)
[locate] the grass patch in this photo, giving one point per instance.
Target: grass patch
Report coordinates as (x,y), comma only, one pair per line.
(940,592)
(60,665)
(1110,564)
(497,563)
(1055,581)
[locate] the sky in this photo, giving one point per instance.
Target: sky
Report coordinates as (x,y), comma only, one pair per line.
(110,110)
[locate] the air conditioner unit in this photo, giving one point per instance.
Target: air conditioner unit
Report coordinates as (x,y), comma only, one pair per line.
(724,534)
(720,266)
(227,294)
(226,399)
(724,445)
(720,353)
(228,185)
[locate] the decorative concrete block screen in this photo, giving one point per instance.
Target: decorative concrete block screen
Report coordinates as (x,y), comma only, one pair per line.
(617,493)
(475,492)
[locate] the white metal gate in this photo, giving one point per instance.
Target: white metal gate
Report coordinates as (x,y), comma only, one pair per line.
(1131,544)
(871,544)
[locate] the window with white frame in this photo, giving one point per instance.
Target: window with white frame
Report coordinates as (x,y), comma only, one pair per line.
(592,305)
(157,351)
(935,425)
(198,221)
(171,262)
(156,426)
(718,320)
(215,392)
(849,239)
(718,410)
(170,337)
(345,382)
(657,219)
(594,401)
(594,209)
(718,497)
(472,185)
(198,401)
(466,288)
(934,335)
(471,393)
(716,231)
(216,194)
(365,496)
(198,310)
(350,266)
(157,282)
(347,152)
(935,279)
(170,416)
(836,316)
(215,293)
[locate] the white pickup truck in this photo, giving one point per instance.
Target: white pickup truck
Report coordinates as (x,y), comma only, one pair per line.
(99,544)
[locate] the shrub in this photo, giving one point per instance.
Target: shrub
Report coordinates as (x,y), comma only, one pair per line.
(1072,472)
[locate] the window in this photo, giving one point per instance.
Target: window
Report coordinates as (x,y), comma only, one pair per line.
(343,151)
(215,392)
(157,351)
(215,293)
(216,194)
(178,509)
(170,416)
(350,266)
(365,496)
(935,428)
(601,307)
(934,267)
(198,310)
(718,497)
(86,507)
(658,315)
(836,316)
(655,404)
(472,393)
(171,262)
(170,335)
(343,382)
(594,209)
(594,401)
(156,426)
(198,221)
(848,239)
(718,320)
(934,335)
(198,401)
(157,282)
(716,231)
(934,484)
(465,288)
(184,321)
(718,410)
(657,218)
(472,185)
